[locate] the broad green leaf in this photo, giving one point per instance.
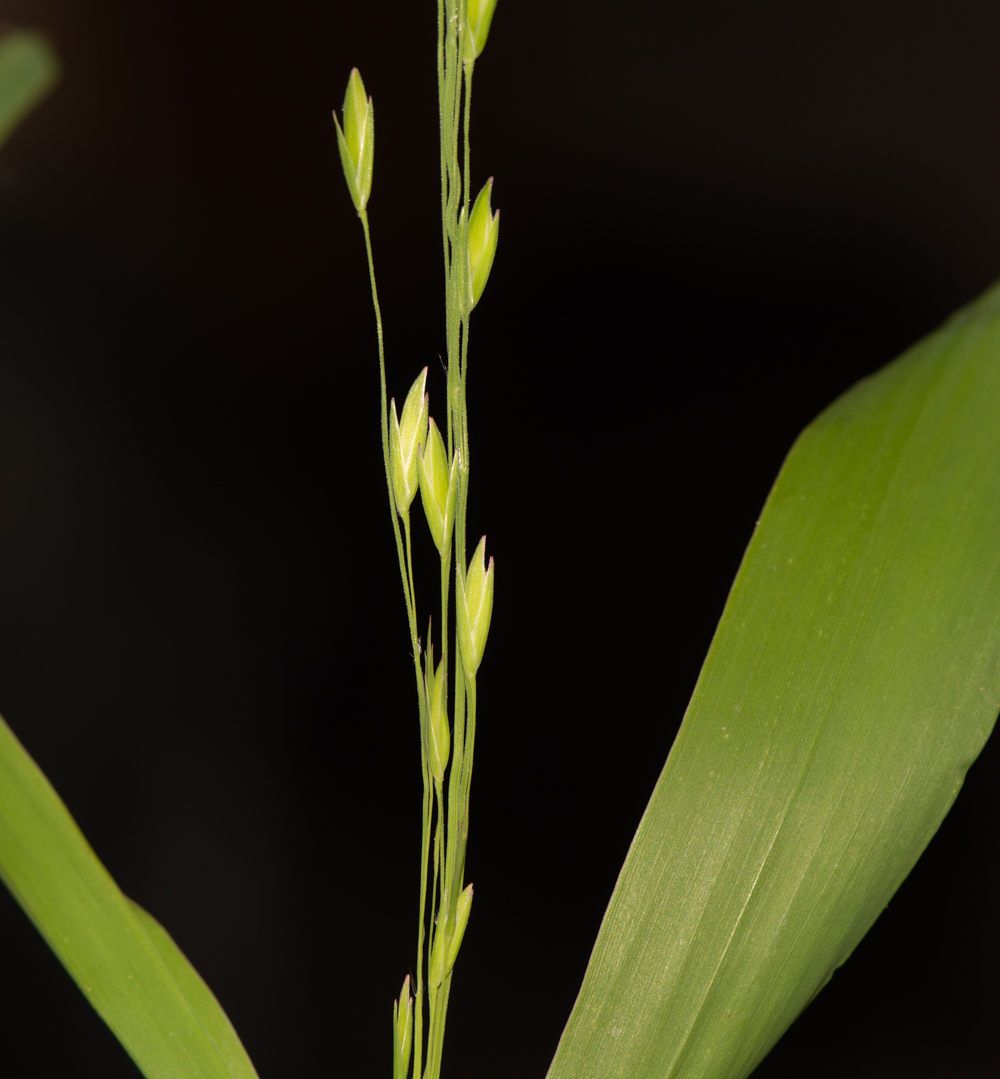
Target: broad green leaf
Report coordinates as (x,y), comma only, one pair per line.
(854,677)
(201,999)
(28,71)
(124,962)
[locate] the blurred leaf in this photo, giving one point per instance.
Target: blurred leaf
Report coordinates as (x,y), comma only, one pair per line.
(28,72)
(124,962)
(853,679)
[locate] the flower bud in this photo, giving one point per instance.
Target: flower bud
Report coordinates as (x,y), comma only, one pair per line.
(357,140)
(483,229)
(439,732)
(402,1031)
(437,487)
(474,607)
(405,435)
(446,945)
(478,16)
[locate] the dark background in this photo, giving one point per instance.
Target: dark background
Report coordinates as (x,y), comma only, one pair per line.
(716,217)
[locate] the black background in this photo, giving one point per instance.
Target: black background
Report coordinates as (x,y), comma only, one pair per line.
(716,216)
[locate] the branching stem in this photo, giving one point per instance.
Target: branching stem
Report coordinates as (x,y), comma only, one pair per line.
(445,799)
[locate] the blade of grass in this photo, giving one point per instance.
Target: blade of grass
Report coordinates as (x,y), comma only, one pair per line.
(28,72)
(200,998)
(125,964)
(853,679)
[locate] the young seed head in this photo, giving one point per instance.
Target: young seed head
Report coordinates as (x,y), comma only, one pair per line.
(448,940)
(462,909)
(439,952)
(356,141)
(439,734)
(484,227)
(474,608)
(405,435)
(402,1030)
(437,487)
(478,16)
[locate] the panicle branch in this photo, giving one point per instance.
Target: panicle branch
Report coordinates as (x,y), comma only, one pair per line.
(417,457)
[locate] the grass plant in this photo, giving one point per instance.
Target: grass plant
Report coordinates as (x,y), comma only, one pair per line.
(853,679)
(417,456)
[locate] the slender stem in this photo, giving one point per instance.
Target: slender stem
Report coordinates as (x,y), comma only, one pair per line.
(456,207)
(435,902)
(385,411)
(441,118)
(438,846)
(436,1037)
(465,297)
(405,566)
(425,829)
(454,883)
(408,584)
(445,588)
(433,1067)
(409,593)
(470,746)
(467,175)
(446,813)
(418,1019)
(451,93)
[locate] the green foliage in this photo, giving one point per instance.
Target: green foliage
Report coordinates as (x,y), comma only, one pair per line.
(124,962)
(126,965)
(29,71)
(854,677)
(207,1010)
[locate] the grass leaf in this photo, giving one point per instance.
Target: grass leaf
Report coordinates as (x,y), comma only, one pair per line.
(201,999)
(124,962)
(853,679)
(28,71)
